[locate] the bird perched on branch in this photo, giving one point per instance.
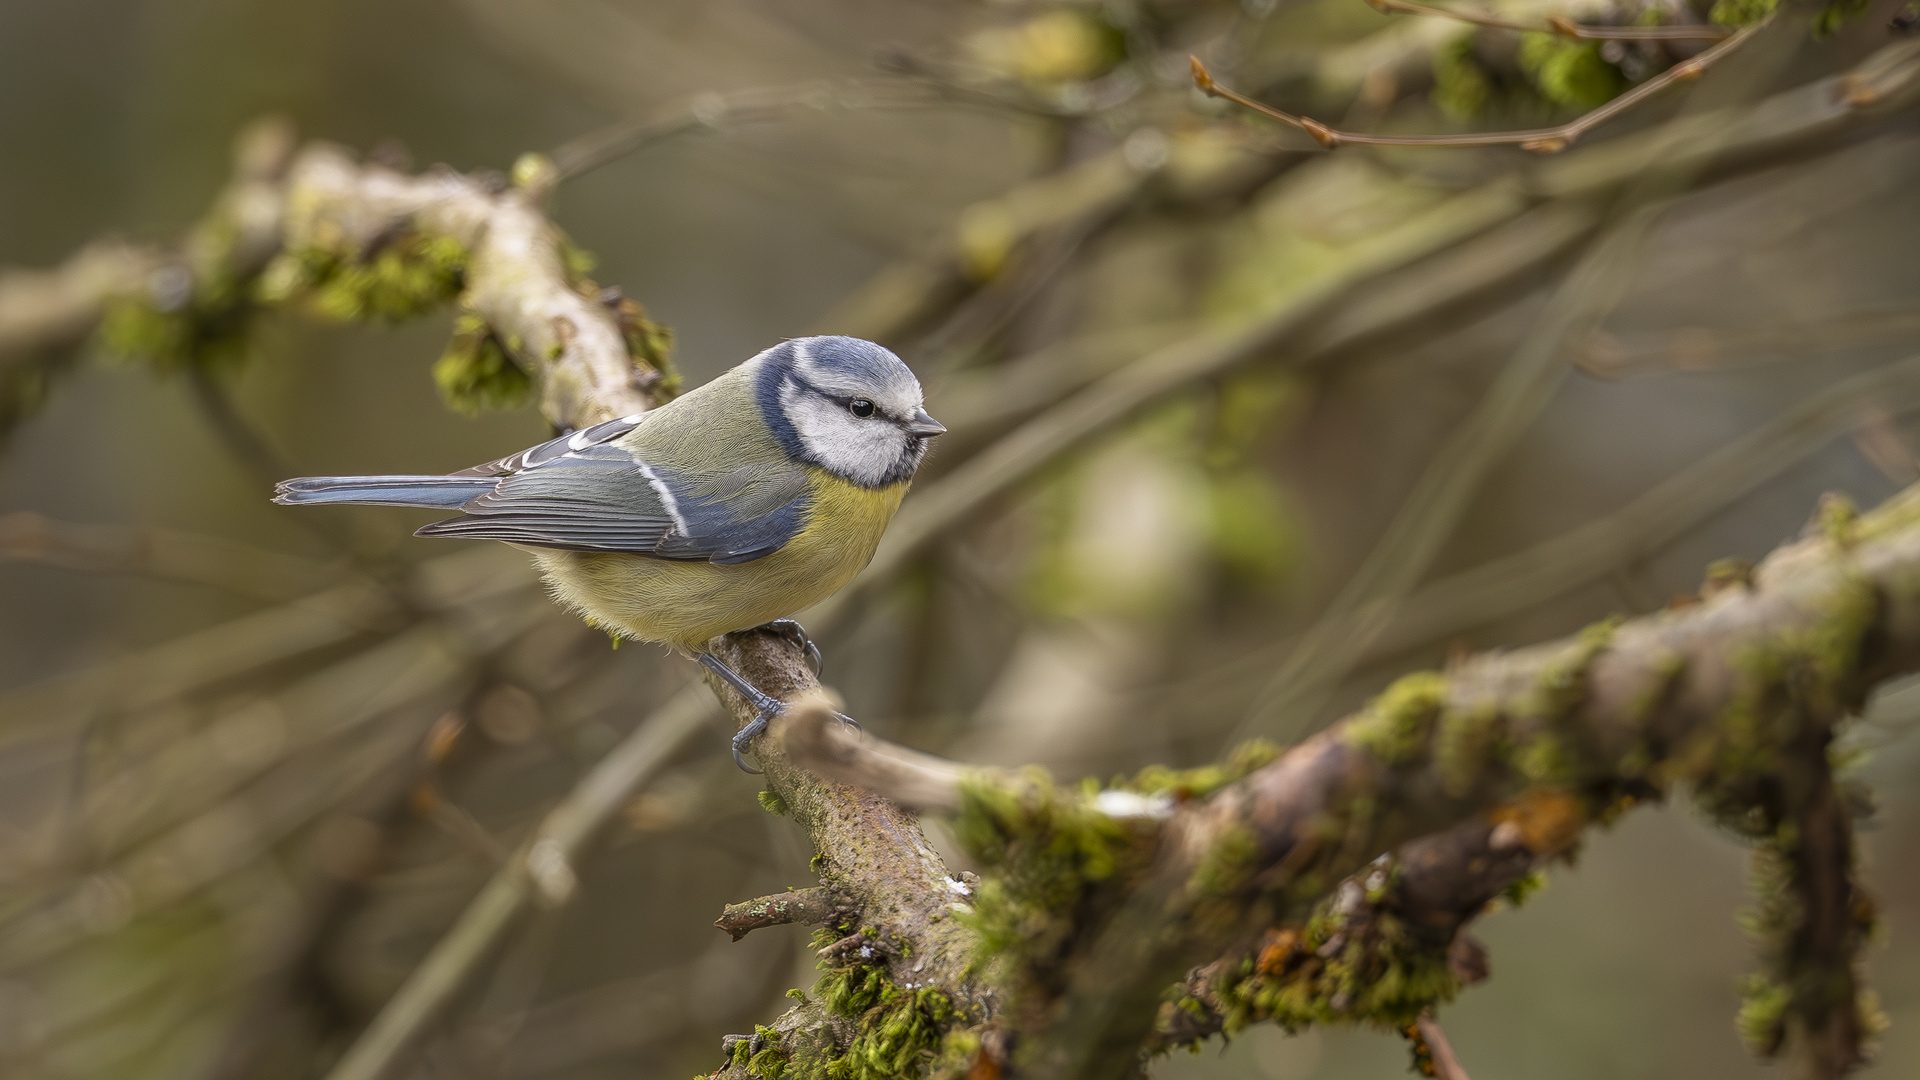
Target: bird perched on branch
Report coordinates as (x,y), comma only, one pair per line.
(731,507)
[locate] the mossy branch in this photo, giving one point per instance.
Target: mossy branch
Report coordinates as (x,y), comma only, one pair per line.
(312,228)
(1103,897)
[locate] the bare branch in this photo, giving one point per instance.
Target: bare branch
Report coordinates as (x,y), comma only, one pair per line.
(711,111)
(162,553)
(1446,1064)
(819,742)
(799,906)
(1561,25)
(1541,140)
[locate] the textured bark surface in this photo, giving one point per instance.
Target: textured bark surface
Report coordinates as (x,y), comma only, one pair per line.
(873,857)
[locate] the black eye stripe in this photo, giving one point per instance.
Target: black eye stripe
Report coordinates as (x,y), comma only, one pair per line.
(845,401)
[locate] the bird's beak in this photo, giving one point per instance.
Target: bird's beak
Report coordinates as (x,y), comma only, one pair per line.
(924,426)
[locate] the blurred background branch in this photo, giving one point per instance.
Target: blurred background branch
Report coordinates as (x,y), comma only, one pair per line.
(1194,368)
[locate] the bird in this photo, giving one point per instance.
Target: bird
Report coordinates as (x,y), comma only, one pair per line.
(731,507)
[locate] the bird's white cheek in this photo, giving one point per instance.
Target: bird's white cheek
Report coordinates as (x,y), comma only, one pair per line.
(856,449)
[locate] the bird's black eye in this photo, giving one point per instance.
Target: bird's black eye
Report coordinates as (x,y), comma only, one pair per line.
(861,407)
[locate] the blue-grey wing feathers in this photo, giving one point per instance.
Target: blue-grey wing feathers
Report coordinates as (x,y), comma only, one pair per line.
(582,493)
(445,492)
(572,442)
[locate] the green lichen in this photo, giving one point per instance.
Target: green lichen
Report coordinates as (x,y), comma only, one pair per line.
(407,276)
(1838,519)
(1798,676)
(772,803)
(1395,726)
(1775,913)
(1550,755)
(476,374)
(769,1062)
(1198,783)
(1569,72)
(1464,743)
(575,261)
(1048,849)
(898,1030)
(1728,573)
(208,329)
(1767,754)
(1374,969)
(1524,888)
(1227,865)
(1562,683)
(1791,991)
(650,343)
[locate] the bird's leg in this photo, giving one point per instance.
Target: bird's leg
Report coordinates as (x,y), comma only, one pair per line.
(765,707)
(794,632)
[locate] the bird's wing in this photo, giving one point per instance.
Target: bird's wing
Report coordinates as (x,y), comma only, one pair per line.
(601,497)
(572,442)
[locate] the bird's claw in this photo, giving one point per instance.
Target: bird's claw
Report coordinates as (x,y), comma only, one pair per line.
(794,632)
(754,729)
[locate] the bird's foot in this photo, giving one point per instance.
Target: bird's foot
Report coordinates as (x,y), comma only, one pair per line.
(794,632)
(765,706)
(755,727)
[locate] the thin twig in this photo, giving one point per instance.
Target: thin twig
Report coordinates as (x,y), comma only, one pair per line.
(1540,140)
(1124,393)
(1366,604)
(430,803)
(1512,583)
(1698,348)
(164,554)
(806,906)
(711,110)
(820,743)
(231,649)
(541,870)
(1790,119)
(1446,1064)
(1561,25)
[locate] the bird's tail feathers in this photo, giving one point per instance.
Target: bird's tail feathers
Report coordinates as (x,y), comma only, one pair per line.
(439,492)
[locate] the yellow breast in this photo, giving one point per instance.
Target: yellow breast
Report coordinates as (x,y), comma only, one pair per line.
(686,604)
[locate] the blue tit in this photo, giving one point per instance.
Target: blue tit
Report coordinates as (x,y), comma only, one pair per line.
(732,506)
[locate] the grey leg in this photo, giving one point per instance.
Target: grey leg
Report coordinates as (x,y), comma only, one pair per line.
(765,707)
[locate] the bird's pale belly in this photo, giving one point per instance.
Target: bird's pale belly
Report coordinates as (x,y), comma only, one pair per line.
(687,603)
